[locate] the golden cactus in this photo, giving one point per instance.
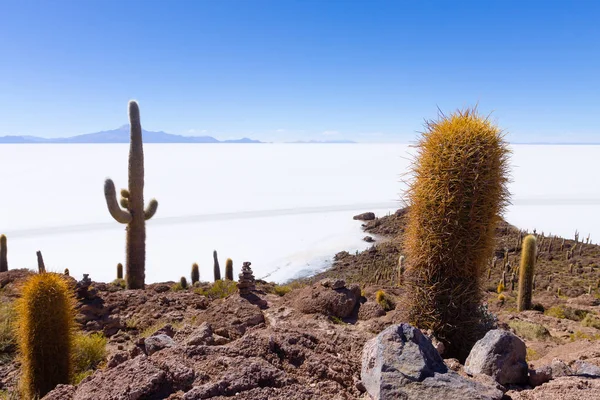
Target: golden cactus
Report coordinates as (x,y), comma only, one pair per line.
(45,332)
(458,193)
(229,269)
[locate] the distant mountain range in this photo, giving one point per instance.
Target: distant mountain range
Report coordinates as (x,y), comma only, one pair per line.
(322,141)
(121,135)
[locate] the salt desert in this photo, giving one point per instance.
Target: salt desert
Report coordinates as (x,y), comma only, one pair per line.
(287,208)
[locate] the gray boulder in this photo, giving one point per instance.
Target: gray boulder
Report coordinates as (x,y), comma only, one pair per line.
(501,355)
(158,342)
(586,369)
(203,335)
(401,363)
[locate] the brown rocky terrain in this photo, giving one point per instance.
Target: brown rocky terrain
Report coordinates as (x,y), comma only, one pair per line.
(306,341)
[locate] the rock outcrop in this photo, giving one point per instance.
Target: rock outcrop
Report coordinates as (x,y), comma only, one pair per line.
(501,355)
(401,363)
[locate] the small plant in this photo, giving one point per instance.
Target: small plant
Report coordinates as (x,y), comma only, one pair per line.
(183,282)
(501,298)
(336,320)
(556,312)
(218,290)
(500,288)
(526,273)
(7,333)
(591,321)
(229,269)
(195,273)
(3,254)
(119,271)
(120,283)
(529,330)
(45,333)
(384,300)
(282,290)
(88,352)
(531,355)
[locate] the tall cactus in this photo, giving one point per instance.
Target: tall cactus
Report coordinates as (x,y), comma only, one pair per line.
(217,268)
(132,201)
(229,269)
(526,273)
(458,193)
(3,254)
(119,271)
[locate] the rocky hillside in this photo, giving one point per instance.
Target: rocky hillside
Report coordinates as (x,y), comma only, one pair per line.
(307,340)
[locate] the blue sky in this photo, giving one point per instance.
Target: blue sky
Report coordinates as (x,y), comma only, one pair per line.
(283,70)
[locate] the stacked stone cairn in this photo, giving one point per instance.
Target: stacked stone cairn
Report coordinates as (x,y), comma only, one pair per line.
(246,281)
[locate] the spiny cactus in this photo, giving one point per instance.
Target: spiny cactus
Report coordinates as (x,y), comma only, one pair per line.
(229,269)
(526,268)
(132,200)
(217,268)
(3,254)
(195,273)
(119,271)
(45,333)
(401,270)
(456,198)
(183,282)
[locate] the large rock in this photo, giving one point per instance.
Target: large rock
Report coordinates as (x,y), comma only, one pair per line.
(326,300)
(368,216)
(586,369)
(158,342)
(501,355)
(401,363)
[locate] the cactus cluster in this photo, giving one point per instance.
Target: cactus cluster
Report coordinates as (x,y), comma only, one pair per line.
(458,193)
(45,333)
(132,212)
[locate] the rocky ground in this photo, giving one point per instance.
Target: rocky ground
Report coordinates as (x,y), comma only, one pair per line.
(306,340)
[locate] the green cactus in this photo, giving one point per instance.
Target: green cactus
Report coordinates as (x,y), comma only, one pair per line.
(229,269)
(217,268)
(3,254)
(132,199)
(195,273)
(183,282)
(526,269)
(456,198)
(119,271)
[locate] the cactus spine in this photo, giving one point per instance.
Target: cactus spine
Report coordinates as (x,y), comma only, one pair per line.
(229,269)
(3,254)
(119,271)
(45,329)
(459,191)
(217,268)
(133,214)
(526,273)
(195,273)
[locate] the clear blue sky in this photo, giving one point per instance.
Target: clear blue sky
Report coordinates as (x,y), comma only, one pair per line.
(281,70)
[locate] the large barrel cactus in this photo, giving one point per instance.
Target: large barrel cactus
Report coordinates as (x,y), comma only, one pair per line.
(132,200)
(526,270)
(459,191)
(45,333)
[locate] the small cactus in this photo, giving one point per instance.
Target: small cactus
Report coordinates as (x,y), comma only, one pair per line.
(3,254)
(40,260)
(526,277)
(195,273)
(183,282)
(401,269)
(500,287)
(559,292)
(119,271)
(67,273)
(229,269)
(45,333)
(217,268)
